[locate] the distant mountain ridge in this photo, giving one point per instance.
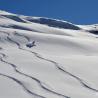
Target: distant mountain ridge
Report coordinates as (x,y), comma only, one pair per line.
(42,20)
(46,21)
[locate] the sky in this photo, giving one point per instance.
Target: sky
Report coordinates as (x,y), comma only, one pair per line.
(75,11)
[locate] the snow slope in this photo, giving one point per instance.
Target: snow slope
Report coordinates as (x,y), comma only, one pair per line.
(63,62)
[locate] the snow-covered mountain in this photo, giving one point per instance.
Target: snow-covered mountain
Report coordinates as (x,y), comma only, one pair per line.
(47,58)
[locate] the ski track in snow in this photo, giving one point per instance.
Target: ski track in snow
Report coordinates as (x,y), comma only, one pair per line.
(57,65)
(38,81)
(22,85)
(45,89)
(16,70)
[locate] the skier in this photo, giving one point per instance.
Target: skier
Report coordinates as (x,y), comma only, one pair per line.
(30,44)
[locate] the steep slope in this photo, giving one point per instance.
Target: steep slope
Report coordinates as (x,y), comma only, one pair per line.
(60,62)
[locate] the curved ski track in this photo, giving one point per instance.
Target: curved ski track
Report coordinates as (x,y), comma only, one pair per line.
(82,82)
(58,66)
(16,70)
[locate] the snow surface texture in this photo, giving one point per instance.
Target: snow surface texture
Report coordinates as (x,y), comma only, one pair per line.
(61,62)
